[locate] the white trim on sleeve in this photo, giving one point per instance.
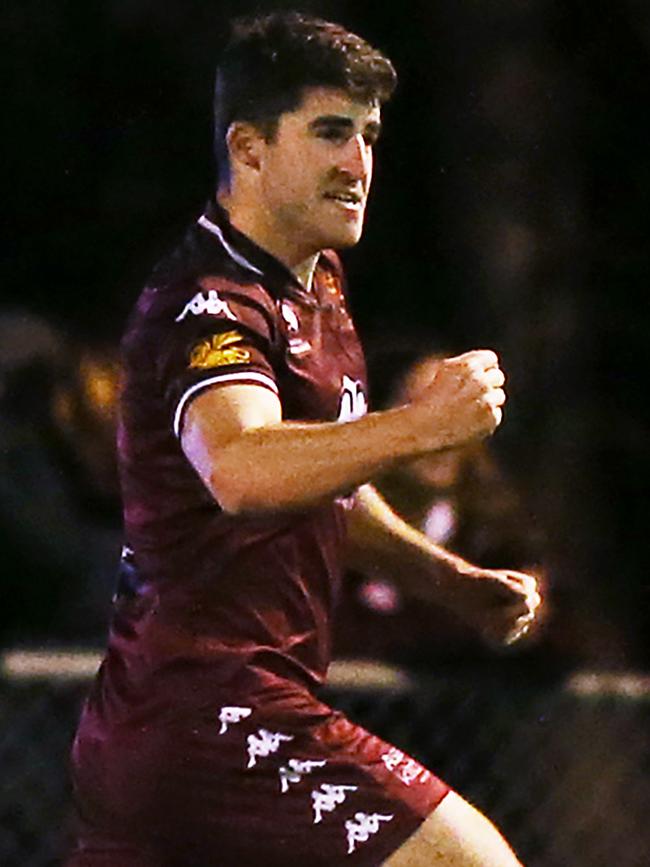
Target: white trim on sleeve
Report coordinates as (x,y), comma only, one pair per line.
(262,378)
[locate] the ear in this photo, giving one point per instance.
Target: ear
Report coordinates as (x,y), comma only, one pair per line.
(245,144)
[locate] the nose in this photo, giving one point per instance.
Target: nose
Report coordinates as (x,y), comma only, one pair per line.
(357,158)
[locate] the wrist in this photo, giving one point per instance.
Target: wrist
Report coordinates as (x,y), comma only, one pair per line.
(450,573)
(417,431)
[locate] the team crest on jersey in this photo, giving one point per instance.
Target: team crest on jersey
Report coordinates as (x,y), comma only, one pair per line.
(330,283)
(218,350)
(297,346)
(290,316)
(352,403)
(206,302)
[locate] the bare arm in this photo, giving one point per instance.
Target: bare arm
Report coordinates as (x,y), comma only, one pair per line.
(252,460)
(381,543)
(500,604)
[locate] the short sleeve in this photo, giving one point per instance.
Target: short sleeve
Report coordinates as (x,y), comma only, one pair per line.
(220,334)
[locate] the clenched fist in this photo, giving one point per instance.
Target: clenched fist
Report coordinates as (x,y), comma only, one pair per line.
(500,603)
(462,401)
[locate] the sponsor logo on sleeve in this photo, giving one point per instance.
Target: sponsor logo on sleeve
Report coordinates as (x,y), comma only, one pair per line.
(263,744)
(392,758)
(327,797)
(405,769)
(295,770)
(231,716)
(218,351)
(352,403)
(362,826)
(206,302)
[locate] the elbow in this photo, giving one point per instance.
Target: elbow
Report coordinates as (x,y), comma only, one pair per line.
(238,496)
(230,496)
(247,498)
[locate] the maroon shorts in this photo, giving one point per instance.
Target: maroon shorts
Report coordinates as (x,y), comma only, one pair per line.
(244,783)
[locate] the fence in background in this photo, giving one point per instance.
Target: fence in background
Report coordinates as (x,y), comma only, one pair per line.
(562,766)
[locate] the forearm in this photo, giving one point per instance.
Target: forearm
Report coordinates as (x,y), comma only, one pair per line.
(381,543)
(290,465)
(251,460)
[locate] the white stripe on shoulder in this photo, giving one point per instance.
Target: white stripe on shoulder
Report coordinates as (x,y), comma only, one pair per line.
(241,376)
(239,259)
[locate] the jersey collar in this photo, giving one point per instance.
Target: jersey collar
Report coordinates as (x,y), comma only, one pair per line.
(248,255)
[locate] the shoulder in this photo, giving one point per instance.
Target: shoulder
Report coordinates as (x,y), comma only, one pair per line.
(216,295)
(201,294)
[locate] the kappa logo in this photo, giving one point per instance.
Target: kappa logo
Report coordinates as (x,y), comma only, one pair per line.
(327,798)
(206,303)
(294,771)
(263,744)
(231,716)
(362,826)
(352,403)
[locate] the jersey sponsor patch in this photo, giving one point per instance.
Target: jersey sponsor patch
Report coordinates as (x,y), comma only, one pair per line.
(218,350)
(405,769)
(352,403)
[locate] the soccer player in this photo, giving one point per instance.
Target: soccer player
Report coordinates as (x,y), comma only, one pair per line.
(246,454)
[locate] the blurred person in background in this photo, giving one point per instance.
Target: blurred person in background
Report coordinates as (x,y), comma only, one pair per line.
(459,498)
(59,515)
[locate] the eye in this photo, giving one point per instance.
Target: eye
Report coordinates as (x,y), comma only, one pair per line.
(333,134)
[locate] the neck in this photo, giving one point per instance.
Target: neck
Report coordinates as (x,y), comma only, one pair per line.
(305,271)
(256,224)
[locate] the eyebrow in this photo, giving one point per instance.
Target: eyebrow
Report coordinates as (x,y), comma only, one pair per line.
(343,123)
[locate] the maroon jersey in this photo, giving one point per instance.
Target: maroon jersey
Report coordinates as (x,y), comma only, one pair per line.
(202,742)
(204,590)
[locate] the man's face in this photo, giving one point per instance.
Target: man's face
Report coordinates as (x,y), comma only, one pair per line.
(316,173)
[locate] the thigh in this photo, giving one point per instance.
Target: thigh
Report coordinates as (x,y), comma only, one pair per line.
(247,783)
(455,835)
(352,797)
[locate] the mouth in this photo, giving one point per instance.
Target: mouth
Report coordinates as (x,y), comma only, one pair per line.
(348,199)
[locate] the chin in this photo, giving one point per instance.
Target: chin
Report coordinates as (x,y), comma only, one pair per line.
(343,240)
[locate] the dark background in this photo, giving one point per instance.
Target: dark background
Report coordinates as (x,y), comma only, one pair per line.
(509,211)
